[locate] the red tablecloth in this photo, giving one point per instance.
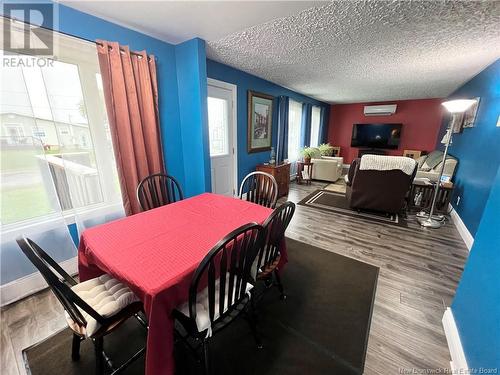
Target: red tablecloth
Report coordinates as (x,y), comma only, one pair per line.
(156,252)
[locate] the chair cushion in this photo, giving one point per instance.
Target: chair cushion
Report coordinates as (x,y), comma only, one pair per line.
(202,314)
(105,295)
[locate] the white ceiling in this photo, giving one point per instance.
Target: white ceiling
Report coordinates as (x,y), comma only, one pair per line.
(340,52)
(178,21)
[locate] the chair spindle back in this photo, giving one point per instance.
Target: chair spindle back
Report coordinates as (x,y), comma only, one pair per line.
(158,190)
(58,279)
(260,188)
(274,232)
(226,271)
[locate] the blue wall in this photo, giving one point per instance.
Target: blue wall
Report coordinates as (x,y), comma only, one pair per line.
(476,307)
(478,148)
(245,82)
(192,78)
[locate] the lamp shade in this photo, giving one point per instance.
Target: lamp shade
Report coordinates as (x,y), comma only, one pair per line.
(458,105)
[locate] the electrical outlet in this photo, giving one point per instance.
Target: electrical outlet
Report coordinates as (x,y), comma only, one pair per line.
(458,200)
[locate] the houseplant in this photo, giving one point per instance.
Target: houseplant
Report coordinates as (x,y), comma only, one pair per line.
(325,149)
(307,153)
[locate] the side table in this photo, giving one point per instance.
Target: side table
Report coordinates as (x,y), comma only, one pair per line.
(304,167)
(281,174)
(421,194)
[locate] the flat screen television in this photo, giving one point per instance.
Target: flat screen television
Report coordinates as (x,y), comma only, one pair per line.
(385,136)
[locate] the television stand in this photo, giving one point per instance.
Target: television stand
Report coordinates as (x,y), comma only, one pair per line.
(371,151)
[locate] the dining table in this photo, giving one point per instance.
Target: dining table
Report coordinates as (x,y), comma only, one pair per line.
(156,253)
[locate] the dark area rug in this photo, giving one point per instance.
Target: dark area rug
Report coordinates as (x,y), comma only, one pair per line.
(321,328)
(337,202)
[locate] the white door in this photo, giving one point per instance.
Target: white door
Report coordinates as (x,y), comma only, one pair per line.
(222,132)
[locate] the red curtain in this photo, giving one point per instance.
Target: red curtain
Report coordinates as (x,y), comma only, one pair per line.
(131,95)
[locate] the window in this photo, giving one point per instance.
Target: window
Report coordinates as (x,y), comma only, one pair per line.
(14,131)
(217,126)
(294,125)
(64,130)
(60,104)
(315,119)
(38,132)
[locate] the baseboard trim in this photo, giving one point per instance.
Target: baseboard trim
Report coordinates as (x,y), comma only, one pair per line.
(462,229)
(27,285)
(458,361)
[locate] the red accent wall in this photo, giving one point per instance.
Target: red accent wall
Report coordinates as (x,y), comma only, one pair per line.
(421,119)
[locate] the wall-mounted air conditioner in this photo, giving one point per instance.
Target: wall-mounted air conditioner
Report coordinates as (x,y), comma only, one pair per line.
(380,110)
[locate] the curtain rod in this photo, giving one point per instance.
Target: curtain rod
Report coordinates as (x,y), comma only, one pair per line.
(121,50)
(63,33)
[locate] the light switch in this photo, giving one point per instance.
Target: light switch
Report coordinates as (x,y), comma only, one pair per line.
(498,121)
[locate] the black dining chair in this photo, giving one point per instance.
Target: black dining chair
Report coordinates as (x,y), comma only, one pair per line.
(82,303)
(261,188)
(220,289)
(158,190)
(268,258)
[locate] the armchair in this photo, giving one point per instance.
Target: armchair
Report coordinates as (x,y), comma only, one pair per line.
(379,183)
(326,168)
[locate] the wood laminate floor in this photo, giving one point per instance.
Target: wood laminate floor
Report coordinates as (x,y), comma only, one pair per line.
(419,272)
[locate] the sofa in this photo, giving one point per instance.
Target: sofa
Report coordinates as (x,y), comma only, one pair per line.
(326,168)
(429,166)
(380,183)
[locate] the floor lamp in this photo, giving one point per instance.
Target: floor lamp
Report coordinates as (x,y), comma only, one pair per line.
(455,107)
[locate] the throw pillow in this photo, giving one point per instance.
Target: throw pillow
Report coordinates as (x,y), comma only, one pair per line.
(433,159)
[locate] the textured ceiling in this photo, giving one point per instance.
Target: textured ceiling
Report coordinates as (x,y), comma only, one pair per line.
(349,51)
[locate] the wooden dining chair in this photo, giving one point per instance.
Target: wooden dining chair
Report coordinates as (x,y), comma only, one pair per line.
(158,190)
(220,289)
(268,258)
(94,308)
(261,188)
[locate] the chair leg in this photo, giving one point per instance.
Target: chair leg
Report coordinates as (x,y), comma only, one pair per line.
(99,360)
(253,307)
(268,281)
(279,284)
(206,356)
(75,347)
(253,328)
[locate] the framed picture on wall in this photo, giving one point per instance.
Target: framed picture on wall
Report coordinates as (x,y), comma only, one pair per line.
(470,114)
(336,151)
(260,121)
(414,154)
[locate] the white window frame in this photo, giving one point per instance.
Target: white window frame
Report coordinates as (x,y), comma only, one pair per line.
(89,87)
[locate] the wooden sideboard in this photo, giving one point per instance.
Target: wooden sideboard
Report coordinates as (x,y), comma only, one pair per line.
(281,173)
